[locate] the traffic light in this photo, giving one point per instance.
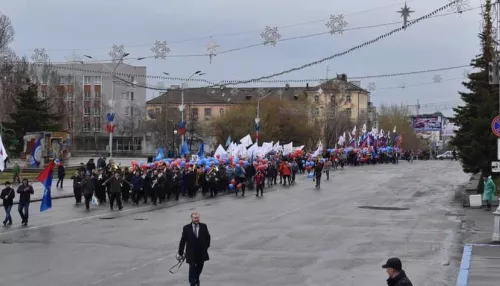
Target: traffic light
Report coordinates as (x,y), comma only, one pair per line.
(493,72)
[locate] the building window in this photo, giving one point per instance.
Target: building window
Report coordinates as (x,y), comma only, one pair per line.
(348,99)
(348,111)
(69,95)
(221,111)
(86,110)
(208,113)
(194,114)
(97,124)
(86,124)
(97,94)
(129,111)
(316,112)
(88,80)
(97,111)
(97,80)
(86,95)
(157,110)
(131,96)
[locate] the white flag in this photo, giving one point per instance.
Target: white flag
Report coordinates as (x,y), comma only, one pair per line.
(394,130)
(3,155)
(364,129)
(247,140)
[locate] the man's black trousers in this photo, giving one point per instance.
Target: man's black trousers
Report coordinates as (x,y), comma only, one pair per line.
(195,269)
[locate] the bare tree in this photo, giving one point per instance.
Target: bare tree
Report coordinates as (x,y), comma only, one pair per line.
(398,115)
(6,32)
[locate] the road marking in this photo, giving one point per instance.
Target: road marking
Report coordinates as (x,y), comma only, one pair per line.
(463,274)
(117,274)
(97,282)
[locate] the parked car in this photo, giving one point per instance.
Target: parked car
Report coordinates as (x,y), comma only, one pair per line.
(445,155)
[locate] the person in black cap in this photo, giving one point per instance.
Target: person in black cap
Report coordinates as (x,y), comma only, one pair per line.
(397,276)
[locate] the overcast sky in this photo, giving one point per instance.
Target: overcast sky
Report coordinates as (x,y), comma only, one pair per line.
(93,26)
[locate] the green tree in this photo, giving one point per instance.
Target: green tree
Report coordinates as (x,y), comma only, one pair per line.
(398,115)
(474,140)
(33,113)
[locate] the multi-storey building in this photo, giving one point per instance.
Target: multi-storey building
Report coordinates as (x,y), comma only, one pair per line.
(206,104)
(89,93)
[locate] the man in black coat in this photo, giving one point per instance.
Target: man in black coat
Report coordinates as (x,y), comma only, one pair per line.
(397,276)
(196,239)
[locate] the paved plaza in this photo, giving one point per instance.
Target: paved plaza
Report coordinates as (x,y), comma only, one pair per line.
(340,234)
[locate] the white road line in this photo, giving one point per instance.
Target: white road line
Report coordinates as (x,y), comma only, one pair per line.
(117,274)
(97,282)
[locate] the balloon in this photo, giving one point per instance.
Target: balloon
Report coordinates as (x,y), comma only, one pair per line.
(133,163)
(245,163)
(207,169)
(239,186)
(183,164)
(152,165)
(216,163)
(231,186)
(233,181)
(217,156)
(188,165)
(156,163)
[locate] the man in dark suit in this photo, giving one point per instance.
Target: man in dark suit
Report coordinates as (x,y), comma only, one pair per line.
(196,239)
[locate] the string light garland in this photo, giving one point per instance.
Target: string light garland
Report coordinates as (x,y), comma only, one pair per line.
(385,75)
(213,47)
(377,39)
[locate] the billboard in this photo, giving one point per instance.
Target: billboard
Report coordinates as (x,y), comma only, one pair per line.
(426,123)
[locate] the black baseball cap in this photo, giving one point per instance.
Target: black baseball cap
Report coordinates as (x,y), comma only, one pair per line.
(394,263)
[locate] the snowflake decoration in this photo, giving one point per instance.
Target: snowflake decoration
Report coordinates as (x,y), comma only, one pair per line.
(212,49)
(234,92)
(437,79)
(160,50)
(40,56)
(459,6)
(74,57)
(372,86)
(320,91)
(336,24)
(270,36)
(279,92)
(117,52)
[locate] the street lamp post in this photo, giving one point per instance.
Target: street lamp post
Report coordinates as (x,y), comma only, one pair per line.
(182,106)
(257,118)
(113,71)
(174,131)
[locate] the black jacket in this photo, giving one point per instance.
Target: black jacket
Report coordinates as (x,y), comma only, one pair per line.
(399,280)
(196,248)
(25,193)
(7,196)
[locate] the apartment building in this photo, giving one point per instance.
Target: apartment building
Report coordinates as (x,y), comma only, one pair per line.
(90,92)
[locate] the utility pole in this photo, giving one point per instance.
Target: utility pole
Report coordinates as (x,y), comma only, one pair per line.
(418,107)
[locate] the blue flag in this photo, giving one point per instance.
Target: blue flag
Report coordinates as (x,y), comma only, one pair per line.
(36,153)
(160,154)
(201,152)
(228,141)
(45,178)
(184,149)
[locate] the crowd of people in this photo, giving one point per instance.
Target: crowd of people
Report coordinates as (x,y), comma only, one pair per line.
(100,182)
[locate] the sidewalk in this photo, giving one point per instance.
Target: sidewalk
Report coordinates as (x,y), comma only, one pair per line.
(481,257)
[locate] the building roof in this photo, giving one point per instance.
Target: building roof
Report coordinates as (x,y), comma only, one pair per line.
(228,96)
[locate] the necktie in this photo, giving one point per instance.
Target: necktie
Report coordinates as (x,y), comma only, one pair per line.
(196,230)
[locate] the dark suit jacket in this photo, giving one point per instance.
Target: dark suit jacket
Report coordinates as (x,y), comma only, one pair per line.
(196,248)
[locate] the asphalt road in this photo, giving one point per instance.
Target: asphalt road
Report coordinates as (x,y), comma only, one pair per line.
(292,236)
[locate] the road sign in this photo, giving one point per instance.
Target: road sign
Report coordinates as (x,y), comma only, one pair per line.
(495,167)
(495,126)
